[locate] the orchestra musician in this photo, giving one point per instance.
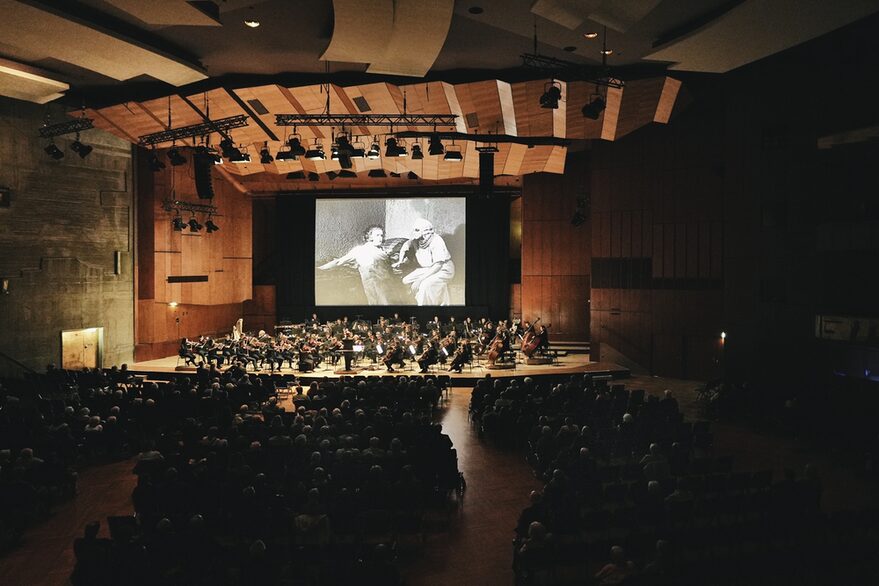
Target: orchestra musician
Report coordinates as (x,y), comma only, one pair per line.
(429,357)
(186,352)
(463,354)
(394,355)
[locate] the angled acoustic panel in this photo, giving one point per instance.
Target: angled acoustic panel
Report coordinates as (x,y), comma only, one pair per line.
(30,84)
(168,12)
(45,32)
(420,30)
(396,37)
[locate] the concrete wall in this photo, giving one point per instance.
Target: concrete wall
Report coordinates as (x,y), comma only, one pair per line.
(59,240)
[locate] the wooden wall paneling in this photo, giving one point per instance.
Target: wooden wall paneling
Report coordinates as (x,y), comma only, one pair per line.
(668,246)
(492,102)
(667,98)
(680,249)
(555,161)
(692,247)
(658,252)
(716,236)
(635,230)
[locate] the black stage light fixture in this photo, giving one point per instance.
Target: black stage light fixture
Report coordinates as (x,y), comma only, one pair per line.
(175,157)
(347,174)
(240,157)
(374,151)
(435,146)
(265,157)
(552,93)
(296,146)
(194,226)
(53,151)
(210,226)
(156,163)
(296,175)
(593,109)
(454,156)
(79,148)
(315,153)
(417,153)
(331,175)
(377,173)
(334,153)
(393,149)
(178,224)
(286,155)
(412,175)
(312,176)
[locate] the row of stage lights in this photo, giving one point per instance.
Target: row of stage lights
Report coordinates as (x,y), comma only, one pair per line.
(342,150)
(76,146)
(193,224)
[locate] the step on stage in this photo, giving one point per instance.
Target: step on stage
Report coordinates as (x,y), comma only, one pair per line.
(563,365)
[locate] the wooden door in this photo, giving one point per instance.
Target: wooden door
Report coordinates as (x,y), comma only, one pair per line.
(81,349)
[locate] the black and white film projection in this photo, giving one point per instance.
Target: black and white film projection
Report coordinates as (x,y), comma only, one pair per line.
(385,251)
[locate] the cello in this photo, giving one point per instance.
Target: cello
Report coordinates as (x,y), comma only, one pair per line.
(530,340)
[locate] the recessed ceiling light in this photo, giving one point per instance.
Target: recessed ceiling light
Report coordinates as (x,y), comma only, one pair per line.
(475,10)
(570,48)
(607,51)
(252,23)
(590,35)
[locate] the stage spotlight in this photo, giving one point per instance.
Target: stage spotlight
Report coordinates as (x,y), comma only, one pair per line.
(194,226)
(296,175)
(393,149)
(296,146)
(331,175)
(347,174)
(435,146)
(312,176)
(315,153)
(375,173)
(334,153)
(593,109)
(156,163)
(53,151)
(175,157)
(240,157)
(453,156)
(265,157)
(210,226)
(286,155)
(178,224)
(80,149)
(417,154)
(552,93)
(374,151)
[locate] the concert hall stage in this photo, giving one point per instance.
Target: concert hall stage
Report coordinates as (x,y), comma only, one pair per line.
(565,365)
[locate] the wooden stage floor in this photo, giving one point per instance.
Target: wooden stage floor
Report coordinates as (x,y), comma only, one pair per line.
(566,365)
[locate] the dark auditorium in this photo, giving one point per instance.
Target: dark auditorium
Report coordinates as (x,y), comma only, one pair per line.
(439,292)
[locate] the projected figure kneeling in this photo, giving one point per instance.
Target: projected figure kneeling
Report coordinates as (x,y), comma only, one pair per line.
(430,282)
(374,265)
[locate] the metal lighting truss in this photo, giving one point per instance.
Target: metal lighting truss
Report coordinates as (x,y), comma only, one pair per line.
(172,134)
(180,205)
(571,70)
(341,120)
(69,127)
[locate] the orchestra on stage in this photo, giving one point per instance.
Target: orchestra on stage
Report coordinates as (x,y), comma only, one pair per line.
(389,342)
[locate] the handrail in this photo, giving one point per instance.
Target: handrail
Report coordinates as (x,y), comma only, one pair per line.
(17,363)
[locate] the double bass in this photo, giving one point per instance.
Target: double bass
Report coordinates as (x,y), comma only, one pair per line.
(530,340)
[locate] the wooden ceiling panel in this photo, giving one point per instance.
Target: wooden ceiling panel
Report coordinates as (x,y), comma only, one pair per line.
(277,100)
(182,114)
(132,120)
(513,161)
(487,106)
(381,98)
(638,108)
(219,103)
(359,27)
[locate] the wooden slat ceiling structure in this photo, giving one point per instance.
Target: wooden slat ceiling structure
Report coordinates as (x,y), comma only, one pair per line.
(484,107)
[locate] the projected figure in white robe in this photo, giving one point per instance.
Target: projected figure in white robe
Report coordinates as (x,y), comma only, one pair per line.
(373,263)
(430,282)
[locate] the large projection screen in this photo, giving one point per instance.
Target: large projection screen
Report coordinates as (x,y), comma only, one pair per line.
(389,251)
